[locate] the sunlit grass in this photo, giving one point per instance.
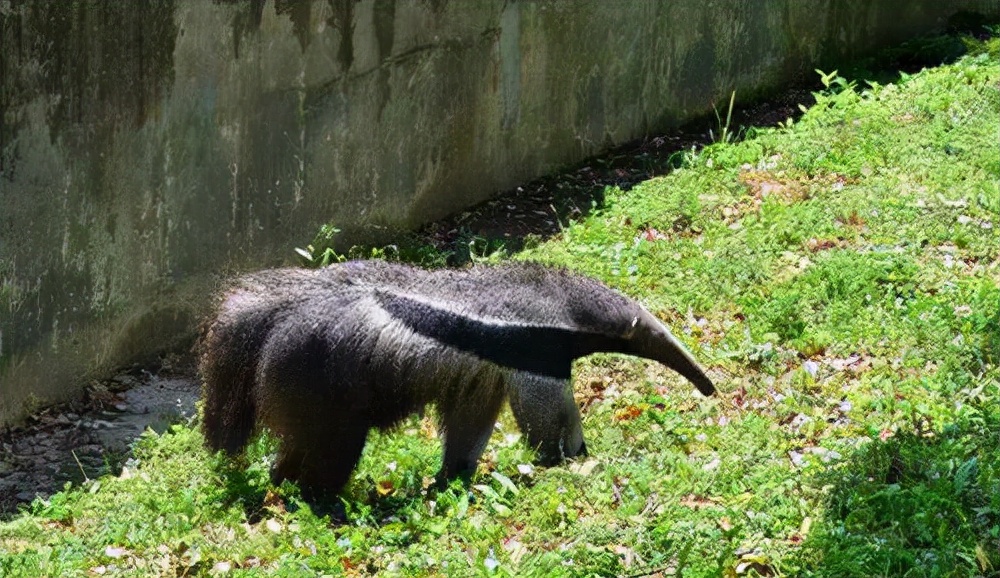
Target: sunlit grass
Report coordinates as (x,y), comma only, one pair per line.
(839,278)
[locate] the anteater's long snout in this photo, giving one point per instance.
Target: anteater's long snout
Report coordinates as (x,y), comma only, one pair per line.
(652,340)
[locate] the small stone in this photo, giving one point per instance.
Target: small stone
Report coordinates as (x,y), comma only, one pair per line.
(586,468)
(114,552)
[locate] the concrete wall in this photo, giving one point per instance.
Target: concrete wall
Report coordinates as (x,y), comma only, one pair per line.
(147,146)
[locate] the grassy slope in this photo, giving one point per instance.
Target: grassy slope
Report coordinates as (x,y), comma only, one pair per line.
(839,277)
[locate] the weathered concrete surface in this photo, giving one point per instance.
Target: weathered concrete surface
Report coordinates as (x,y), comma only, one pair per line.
(146,146)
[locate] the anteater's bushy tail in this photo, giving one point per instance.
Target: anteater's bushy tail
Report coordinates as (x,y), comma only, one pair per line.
(228,364)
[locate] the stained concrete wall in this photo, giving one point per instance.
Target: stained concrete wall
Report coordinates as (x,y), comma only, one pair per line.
(146,146)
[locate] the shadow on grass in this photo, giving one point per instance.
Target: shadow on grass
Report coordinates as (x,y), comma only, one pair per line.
(916,504)
(539,210)
(241,485)
(246,483)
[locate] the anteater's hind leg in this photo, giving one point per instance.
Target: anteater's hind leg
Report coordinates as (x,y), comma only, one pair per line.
(322,423)
(320,452)
(228,351)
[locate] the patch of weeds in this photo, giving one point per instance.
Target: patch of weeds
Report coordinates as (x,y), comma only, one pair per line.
(980,320)
(323,251)
(959,326)
(725,135)
(472,248)
(784,315)
(244,481)
(921,503)
(398,465)
(838,94)
(842,295)
(662,208)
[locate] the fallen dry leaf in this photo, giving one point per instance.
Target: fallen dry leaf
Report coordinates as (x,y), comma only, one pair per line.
(629,413)
(696,502)
(384,488)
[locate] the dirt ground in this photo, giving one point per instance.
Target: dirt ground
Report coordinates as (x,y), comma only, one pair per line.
(91,437)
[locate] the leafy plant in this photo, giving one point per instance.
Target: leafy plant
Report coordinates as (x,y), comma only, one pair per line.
(321,252)
(725,134)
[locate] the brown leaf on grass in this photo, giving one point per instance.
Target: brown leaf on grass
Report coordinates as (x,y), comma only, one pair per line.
(594,392)
(627,555)
(815,245)
(798,537)
(56,525)
(513,544)
(251,562)
(762,184)
(650,234)
(616,490)
(853,364)
(515,549)
(786,186)
(854,220)
(725,524)
(274,502)
(739,397)
(628,413)
(384,487)
(428,428)
(696,502)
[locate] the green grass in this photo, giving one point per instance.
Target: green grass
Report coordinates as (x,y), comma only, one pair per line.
(839,278)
